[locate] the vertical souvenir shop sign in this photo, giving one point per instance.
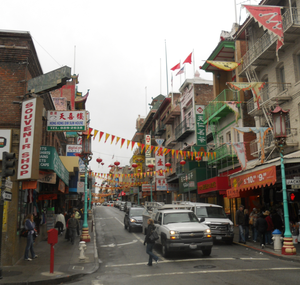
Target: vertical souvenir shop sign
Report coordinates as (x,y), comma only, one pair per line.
(200,127)
(30,139)
(160,179)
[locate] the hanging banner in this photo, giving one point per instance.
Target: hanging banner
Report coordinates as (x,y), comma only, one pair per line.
(269,17)
(224,65)
(240,150)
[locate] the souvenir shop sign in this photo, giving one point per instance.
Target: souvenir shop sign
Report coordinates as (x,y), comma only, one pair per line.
(49,160)
(64,121)
(255,179)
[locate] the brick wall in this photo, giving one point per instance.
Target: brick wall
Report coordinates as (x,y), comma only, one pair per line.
(203,94)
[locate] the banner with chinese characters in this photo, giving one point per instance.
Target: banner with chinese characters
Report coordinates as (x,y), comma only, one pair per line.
(254,179)
(66,121)
(200,127)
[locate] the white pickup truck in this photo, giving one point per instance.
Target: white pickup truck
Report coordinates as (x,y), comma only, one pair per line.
(180,230)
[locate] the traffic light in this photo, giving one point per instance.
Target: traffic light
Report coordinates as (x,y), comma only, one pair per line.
(8,161)
(293,196)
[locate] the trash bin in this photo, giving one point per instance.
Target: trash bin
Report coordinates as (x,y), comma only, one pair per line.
(277,238)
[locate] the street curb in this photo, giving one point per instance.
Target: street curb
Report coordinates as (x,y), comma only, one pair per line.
(268,252)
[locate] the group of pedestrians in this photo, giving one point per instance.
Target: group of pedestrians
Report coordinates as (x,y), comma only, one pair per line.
(262,225)
(74,222)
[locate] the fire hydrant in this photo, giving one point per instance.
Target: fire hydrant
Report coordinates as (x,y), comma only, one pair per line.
(82,247)
(277,238)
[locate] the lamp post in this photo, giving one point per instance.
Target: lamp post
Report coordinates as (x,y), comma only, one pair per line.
(279,129)
(86,156)
(151,166)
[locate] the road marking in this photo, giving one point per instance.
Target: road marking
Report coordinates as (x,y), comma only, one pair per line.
(253,258)
(215,271)
(119,244)
(172,261)
(119,221)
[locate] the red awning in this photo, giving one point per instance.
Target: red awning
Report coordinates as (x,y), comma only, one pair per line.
(213,184)
(252,180)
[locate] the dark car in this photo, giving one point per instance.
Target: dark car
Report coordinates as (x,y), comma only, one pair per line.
(133,218)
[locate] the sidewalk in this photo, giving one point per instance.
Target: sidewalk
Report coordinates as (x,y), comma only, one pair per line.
(67,265)
(269,249)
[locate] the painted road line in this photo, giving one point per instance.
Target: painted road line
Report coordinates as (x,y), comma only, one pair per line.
(253,258)
(216,271)
(119,244)
(173,261)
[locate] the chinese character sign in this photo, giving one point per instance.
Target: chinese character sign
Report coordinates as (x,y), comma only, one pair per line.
(200,126)
(159,164)
(66,121)
(148,142)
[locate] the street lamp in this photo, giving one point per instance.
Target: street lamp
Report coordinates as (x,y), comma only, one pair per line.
(279,129)
(86,156)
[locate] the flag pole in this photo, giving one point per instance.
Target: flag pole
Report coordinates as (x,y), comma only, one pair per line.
(146,99)
(180,73)
(160,75)
(194,62)
(167,68)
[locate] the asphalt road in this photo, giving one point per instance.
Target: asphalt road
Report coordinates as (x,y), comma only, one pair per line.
(123,260)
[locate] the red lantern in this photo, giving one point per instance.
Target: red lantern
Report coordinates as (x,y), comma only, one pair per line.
(182,162)
(198,158)
(134,165)
(102,163)
(151,166)
(116,163)
(168,164)
(99,160)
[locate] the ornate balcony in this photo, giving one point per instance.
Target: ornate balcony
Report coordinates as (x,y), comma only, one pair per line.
(223,152)
(173,113)
(216,109)
(257,55)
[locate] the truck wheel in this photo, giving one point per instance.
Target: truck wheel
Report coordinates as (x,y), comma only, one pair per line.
(165,252)
(206,252)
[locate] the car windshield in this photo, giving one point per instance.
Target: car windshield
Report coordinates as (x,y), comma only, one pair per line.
(136,212)
(188,217)
(210,212)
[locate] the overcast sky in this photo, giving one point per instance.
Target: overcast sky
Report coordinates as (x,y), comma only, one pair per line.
(120,51)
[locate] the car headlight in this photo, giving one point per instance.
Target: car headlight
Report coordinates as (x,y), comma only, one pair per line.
(133,220)
(208,231)
(174,232)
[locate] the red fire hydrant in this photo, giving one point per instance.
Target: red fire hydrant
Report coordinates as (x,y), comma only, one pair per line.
(52,240)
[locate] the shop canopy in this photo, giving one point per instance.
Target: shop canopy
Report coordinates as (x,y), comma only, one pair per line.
(252,180)
(213,184)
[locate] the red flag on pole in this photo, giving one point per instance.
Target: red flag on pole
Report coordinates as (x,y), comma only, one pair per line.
(177,66)
(188,59)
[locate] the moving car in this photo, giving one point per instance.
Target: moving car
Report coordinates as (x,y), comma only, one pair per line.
(133,218)
(122,206)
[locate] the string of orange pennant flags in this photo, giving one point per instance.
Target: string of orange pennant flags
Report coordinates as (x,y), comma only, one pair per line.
(145,148)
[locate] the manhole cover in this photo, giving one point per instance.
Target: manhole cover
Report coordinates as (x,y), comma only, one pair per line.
(11,273)
(204,266)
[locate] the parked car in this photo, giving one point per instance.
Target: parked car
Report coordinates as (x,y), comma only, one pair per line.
(122,206)
(133,218)
(104,204)
(110,204)
(117,203)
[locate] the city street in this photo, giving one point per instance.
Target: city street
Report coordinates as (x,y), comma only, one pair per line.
(123,261)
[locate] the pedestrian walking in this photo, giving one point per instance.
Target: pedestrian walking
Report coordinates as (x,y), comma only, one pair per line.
(240,222)
(60,223)
(30,226)
(77,217)
(72,225)
(150,243)
(270,228)
(261,226)
(246,214)
(252,221)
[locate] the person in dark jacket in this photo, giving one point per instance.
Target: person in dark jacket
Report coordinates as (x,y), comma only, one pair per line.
(246,214)
(277,222)
(270,227)
(261,226)
(73,226)
(150,243)
(240,222)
